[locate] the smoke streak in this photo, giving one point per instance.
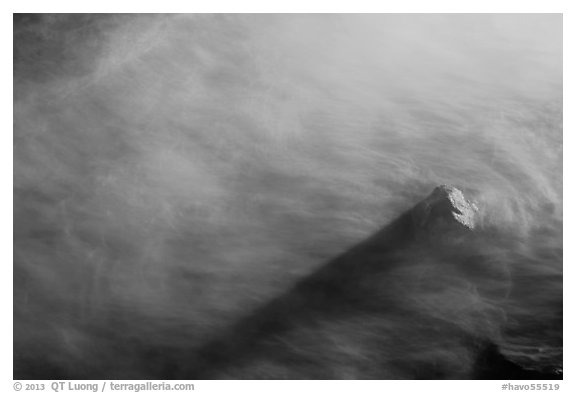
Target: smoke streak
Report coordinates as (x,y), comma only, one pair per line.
(172,172)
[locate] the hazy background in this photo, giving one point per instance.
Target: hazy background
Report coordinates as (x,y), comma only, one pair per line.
(172,172)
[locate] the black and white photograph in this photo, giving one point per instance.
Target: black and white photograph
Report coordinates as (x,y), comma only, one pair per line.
(288,196)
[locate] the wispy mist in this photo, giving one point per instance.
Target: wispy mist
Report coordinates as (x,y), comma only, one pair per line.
(172,172)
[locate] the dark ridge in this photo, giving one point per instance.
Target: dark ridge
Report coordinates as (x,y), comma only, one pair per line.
(344,290)
(350,319)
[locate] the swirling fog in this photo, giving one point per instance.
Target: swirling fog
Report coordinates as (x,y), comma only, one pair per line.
(174,172)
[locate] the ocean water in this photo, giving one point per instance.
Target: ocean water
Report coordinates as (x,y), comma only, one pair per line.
(174,172)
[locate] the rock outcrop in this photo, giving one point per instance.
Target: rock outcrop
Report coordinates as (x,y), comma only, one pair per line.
(445,204)
(399,305)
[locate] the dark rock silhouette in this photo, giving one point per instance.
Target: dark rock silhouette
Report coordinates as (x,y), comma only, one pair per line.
(403,304)
(417,300)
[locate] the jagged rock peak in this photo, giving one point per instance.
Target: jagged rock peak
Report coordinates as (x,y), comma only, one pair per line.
(447,203)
